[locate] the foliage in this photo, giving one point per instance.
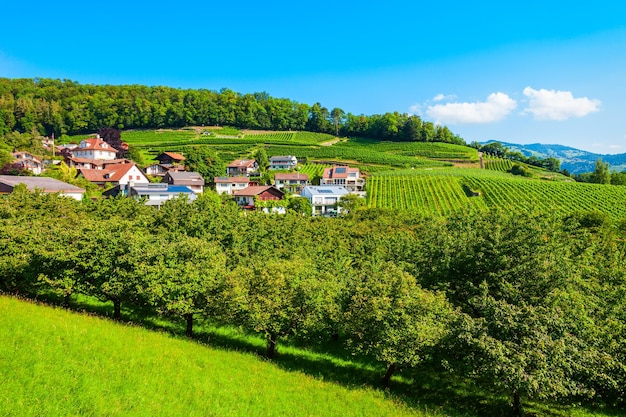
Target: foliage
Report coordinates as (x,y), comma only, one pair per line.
(601,173)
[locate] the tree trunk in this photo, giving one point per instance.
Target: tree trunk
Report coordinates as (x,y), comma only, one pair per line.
(189,319)
(390,370)
(117,309)
(517,404)
(67,300)
(270,350)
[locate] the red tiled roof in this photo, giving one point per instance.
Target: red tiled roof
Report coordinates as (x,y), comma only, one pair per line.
(175,156)
(332,172)
(291,177)
(95,144)
(113,173)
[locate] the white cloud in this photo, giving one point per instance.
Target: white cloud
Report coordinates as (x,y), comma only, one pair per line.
(441,97)
(615,146)
(558,105)
(415,109)
(497,106)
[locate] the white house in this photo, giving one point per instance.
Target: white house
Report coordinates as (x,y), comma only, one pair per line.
(324,198)
(193,180)
(291,182)
(228,185)
(283,162)
(155,194)
(118,174)
(93,148)
(28,161)
(344,176)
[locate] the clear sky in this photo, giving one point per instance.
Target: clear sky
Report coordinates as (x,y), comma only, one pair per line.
(526,72)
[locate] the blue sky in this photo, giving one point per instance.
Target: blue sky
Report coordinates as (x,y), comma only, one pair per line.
(535,71)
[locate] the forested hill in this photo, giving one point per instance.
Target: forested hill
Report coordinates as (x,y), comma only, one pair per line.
(48,106)
(572,159)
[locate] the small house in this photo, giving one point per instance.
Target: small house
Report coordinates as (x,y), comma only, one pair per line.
(292,183)
(283,162)
(242,167)
(248,197)
(324,198)
(347,177)
(193,180)
(117,174)
(228,185)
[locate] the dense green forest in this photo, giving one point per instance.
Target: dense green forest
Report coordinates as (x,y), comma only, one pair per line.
(48,106)
(530,306)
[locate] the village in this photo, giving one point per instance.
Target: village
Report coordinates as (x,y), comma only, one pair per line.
(96,161)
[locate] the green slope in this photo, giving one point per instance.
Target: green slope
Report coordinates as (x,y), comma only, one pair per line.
(57,363)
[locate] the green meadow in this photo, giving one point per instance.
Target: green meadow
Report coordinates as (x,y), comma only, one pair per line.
(58,363)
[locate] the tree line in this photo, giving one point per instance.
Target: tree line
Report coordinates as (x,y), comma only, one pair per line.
(51,106)
(530,306)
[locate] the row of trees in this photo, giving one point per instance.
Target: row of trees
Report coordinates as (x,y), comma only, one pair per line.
(59,107)
(530,306)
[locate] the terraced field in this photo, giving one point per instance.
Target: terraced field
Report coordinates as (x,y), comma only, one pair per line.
(441,192)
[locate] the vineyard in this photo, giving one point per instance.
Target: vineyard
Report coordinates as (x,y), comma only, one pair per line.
(406,176)
(442,192)
(497,164)
(313,170)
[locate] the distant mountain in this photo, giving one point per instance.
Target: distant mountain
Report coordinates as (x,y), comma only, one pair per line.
(572,159)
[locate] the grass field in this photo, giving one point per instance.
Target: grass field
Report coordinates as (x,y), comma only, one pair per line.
(58,363)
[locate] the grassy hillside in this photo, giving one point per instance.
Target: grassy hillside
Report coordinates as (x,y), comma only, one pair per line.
(369,154)
(443,191)
(57,363)
(414,176)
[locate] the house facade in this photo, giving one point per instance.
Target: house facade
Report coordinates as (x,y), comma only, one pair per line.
(242,167)
(118,174)
(249,196)
(154,194)
(193,180)
(93,148)
(347,177)
(170,159)
(228,185)
(283,162)
(158,170)
(43,184)
(324,198)
(292,183)
(28,161)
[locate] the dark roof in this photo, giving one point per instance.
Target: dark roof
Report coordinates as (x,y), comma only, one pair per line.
(48,185)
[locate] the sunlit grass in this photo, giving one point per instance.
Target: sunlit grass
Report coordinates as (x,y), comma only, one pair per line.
(57,363)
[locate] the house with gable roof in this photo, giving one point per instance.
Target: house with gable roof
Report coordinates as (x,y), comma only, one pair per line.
(117,174)
(345,176)
(288,162)
(242,167)
(170,159)
(93,148)
(292,183)
(228,185)
(249,196)
(27,160)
